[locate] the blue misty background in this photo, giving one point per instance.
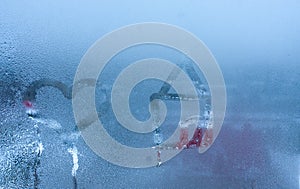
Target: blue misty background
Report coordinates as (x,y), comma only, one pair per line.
(256,44)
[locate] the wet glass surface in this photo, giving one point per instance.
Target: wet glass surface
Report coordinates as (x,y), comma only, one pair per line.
(256,45)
